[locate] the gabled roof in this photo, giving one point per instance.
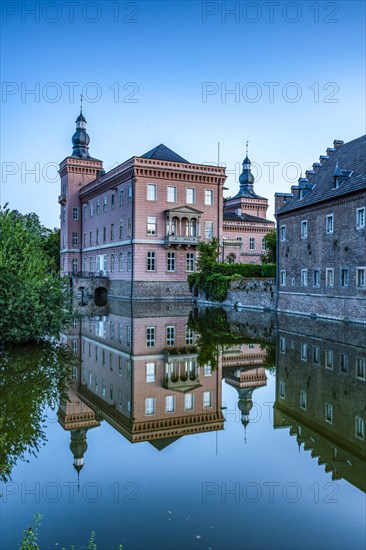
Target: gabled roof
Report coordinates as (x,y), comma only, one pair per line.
(162,152)
(231,217)
(350,156)
(184,209)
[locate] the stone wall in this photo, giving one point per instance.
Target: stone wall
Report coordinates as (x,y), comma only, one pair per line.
(152,290)
(248,293)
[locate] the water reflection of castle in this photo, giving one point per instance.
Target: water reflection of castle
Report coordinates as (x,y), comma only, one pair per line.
(320,393)
(138,371)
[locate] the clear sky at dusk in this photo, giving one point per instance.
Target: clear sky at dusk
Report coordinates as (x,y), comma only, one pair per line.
(162,72)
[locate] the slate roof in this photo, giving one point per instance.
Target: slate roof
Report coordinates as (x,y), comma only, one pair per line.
(349,156)
(248,192)
(231,217)
(162,152)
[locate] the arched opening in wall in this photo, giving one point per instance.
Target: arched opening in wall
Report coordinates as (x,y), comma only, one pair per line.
(100,296)
(230,258)
(82,296)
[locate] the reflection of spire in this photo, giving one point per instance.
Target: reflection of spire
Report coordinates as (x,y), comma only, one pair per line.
(78,446)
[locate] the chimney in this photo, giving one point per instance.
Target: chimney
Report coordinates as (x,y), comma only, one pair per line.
(337,143)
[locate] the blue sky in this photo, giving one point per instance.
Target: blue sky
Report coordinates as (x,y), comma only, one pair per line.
(155,72)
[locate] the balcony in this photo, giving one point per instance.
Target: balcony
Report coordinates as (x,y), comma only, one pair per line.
(181,240)
(62,199)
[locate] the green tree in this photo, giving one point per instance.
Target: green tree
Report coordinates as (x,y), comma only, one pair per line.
(270,255)
(208,254)
(33,300)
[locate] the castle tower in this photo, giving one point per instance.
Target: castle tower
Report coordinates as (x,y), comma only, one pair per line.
(76,171)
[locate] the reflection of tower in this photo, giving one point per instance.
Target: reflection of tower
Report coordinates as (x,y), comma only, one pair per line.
(245,381)
(78,418)
(78,446)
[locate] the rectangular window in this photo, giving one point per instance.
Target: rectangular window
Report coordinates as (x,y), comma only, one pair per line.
(170,404)
(304,229)
(282,344)
(283,232)
(151,192)
(75,239)
(121,198)
(344,277)
(303,400)
(90,238)
(190,195)
(98,207)
(207,370)
(190,336)
(188,402)
(112,263)
(207,399)
(151,261)
(209,197)
(75,213)
(128,370)
(119,332)
(112,231)
(112,201)
(119,399)
(150,372)
(111,392)
(316,277)
(264,247)
(328,413)
(252,243)
(208,230)
(329,277)
(359,427)
(91,210)
(129,333)
(360,277)
(171,194)
(129,261)
(283,277)
(329,224)
(189,262)
(105,204)
(121,229)
(120,261)
(329,359)
(282,389)
(170,261)
(149,406)
(150,337)
(104,234)
(316,354)
(64,215)
(360,368)
(130,192)
(84,239)
(91,264)
(304,351)
(360,218)
(344,362)
(97,236)
(151,226)
(304,277)
(84,210)
(129,228)
(170,336)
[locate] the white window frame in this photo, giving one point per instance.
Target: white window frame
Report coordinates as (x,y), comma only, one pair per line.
(188,402)
(209,197)
(283,277)
(329,359)
(75,213)
(329,277)
(207,400)
(344,277)
(190,262)
(171,193)
(170,335)
(151,261)
(170,404)
(304,229)
(282,344)
(303,400)
(150,337)
(150,406)
(359,427)
(304,277)
(151,192)
(329,224)
(361,277)
(316,283)
(360,368)
(170,262)
(304,351)
(328,413)
(151,226)
(150,372)
(252,243)
(360,218)
(283,233)
(190,197)
(282,389)
(75,238)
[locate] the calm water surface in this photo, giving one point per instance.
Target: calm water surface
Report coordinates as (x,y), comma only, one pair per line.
(208,429)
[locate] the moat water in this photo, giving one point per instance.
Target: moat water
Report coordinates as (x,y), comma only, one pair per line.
(187,429)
